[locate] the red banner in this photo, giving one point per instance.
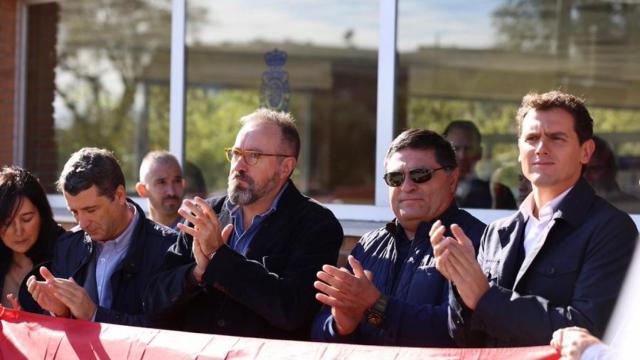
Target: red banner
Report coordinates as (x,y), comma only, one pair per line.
(30,336)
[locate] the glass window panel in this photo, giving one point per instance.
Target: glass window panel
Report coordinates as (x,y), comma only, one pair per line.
(475,61)
(90,82)
(324,72)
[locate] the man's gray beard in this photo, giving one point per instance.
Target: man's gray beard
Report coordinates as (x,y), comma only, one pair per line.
(251,194)
(242,197)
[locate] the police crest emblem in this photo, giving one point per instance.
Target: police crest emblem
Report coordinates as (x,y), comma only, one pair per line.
(274,91)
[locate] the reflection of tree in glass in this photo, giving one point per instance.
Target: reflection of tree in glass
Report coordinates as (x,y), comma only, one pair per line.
(104,50)
(565,27)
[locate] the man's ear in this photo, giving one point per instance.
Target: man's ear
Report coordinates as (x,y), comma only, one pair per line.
(287,166)
(121,194)
(586,151)
(141,189)
(453,179)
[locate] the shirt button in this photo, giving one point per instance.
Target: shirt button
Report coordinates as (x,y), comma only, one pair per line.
(221,323)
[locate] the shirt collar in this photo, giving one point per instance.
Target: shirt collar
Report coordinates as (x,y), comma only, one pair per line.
(546,212)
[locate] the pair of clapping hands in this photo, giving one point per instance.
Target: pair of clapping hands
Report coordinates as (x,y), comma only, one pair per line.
(350,295)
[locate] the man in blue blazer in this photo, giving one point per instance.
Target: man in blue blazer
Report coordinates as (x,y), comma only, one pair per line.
(559,261)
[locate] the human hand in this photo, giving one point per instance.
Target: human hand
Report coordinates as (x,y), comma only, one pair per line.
(75,297)
(205,231)
(349,295)
(458,261)
(42,293)
(571,342)
(14,302)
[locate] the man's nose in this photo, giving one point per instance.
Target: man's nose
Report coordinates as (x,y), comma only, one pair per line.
(541,146)
(83,222)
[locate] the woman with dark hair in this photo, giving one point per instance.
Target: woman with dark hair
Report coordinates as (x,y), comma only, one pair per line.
(27,229)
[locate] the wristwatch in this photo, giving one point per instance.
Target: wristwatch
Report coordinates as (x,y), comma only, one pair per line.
(375,314)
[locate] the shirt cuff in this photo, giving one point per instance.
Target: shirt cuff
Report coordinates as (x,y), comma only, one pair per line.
(597,351)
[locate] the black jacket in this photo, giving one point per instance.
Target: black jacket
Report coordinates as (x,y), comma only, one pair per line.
(269,293)
(573,280)
(74,251)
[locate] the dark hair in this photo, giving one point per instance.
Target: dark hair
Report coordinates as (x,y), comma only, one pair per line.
(16,184)
(422,139)
(582,121)
(603,151)
(284,121)
(464,125)
(88,167)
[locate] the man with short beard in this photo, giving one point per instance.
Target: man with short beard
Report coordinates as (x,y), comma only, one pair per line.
(245,263)
(161,182)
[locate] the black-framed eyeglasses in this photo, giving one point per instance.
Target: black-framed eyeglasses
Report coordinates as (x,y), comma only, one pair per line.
(249,156)
(418,176)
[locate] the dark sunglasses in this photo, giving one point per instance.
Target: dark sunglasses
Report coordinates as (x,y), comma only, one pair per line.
(418,176)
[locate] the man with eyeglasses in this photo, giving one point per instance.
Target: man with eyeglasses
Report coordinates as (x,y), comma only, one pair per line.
(560,260)
(392,294)
(244,264)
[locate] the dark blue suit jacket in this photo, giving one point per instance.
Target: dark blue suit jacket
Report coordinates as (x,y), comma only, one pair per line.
(416,314)
(573,280)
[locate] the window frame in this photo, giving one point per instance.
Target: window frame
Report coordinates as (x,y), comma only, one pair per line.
(372,214)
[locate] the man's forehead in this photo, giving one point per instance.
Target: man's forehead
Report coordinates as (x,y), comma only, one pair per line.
(167,169)
(412,157)
(257,135)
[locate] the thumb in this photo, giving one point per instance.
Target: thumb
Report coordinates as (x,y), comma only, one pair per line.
(226,233)
(46,274)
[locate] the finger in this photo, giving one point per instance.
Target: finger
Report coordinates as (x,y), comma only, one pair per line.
(207,211)
(436,235)
(327,300)
(331,280)
(342,274)
(459,234)
(226,233)
(189,230)
(457,276)
(358,271)
(328,290)
(31,282)
(435,226)
(13,300)
(46,274)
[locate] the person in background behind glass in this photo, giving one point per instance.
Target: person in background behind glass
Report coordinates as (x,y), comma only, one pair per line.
(161,182)
(601,173)
(473,192)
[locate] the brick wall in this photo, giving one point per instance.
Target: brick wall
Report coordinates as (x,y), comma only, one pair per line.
(41,149)
(7,78)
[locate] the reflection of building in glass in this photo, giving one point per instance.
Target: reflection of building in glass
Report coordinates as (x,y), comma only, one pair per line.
(106,70)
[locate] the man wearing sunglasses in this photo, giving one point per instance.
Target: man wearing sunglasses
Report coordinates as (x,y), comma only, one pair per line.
(244,264)
(392,293)
(560,260)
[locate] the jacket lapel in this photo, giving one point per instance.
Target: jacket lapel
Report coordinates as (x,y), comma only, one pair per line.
(511,238)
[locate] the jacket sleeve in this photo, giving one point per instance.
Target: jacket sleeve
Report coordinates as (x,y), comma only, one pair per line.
(170,287)
(598,283)
(280,288)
